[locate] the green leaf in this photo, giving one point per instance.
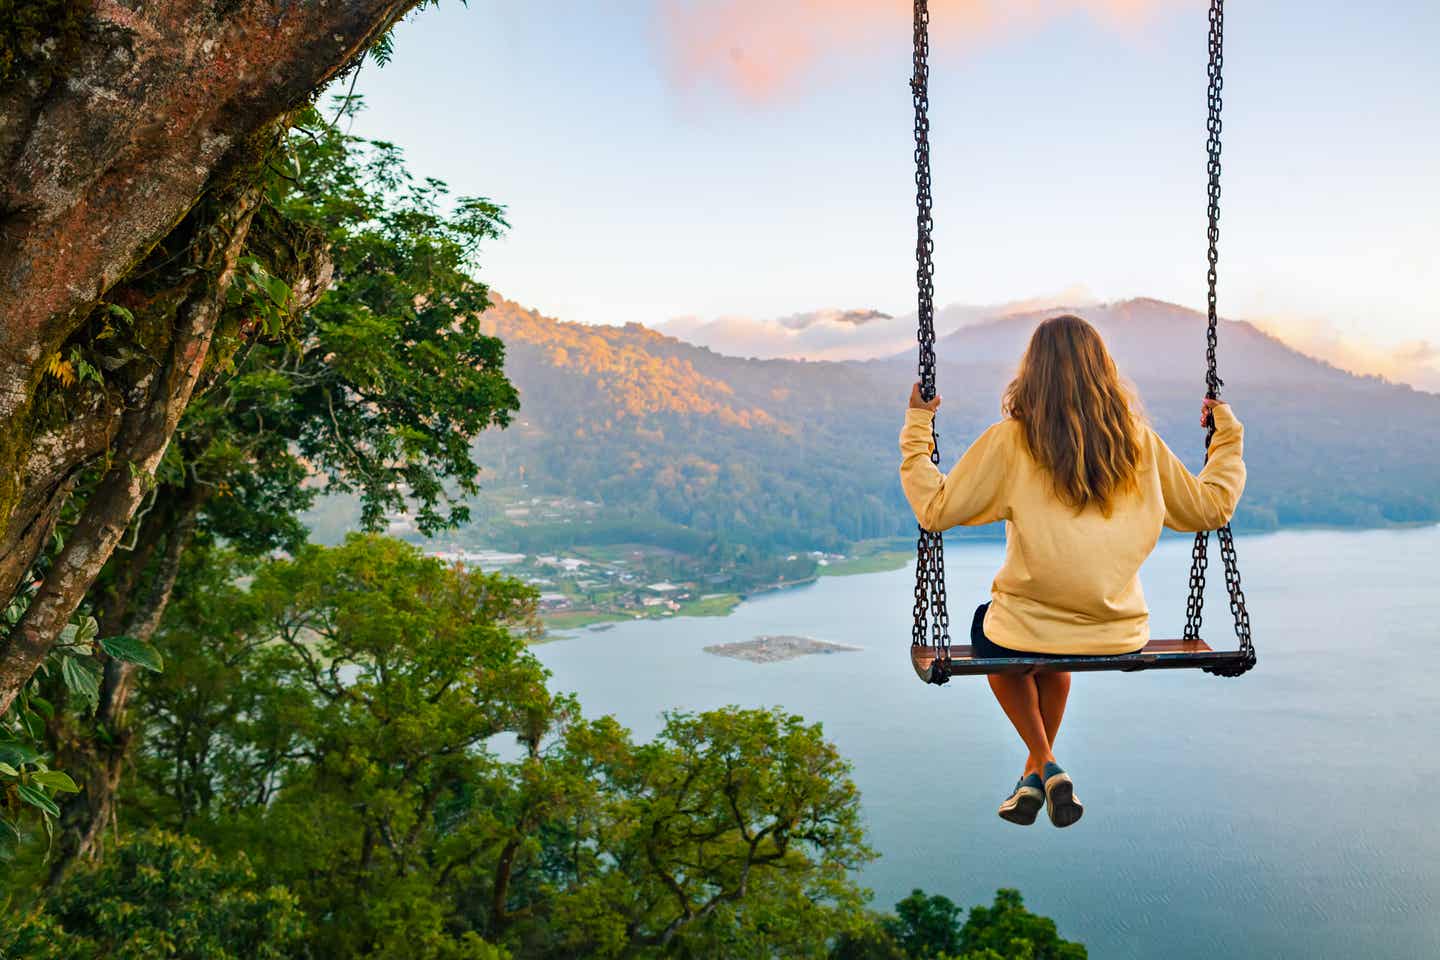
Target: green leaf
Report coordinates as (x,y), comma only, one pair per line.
(278,290)
(8,770)
(37,798)
(133,650)
(55,780)
(32,723)
(88,629)
(43,706)
(82,676)
(118,311)
(18,752)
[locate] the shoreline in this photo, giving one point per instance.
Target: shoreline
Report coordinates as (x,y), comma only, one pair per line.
(881,561)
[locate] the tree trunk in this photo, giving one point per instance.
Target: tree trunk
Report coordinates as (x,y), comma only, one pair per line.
(109,140)
(97,764)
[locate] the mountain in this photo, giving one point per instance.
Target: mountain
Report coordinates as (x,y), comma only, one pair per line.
(1155,341)
(841,334)
(802,454)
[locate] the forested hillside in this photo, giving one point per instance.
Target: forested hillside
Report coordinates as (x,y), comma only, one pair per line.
(802,454)
(656,428)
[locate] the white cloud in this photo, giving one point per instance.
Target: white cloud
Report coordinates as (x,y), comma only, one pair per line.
(835,334)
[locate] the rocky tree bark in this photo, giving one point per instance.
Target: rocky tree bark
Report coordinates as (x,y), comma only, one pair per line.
(132,142)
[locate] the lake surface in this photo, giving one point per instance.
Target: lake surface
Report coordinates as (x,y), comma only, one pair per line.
(1288,813)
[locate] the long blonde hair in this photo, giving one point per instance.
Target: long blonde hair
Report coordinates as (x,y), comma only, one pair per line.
(1080,422)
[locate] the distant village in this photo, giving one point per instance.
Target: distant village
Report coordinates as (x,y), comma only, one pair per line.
(597,583)
(568,581)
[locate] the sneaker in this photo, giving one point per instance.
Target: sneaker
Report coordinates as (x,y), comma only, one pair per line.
(1024,804)
(1060,800)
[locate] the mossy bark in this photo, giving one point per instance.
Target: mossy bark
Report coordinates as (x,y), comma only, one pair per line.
(145,430)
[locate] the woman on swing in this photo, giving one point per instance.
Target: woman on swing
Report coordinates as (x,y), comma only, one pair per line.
(1084,486)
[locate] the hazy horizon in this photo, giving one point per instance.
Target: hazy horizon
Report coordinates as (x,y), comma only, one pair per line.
(833,335)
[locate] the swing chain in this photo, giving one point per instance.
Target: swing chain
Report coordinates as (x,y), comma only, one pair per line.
(1213,100)
(931,615)
(1199,560)
(924,221)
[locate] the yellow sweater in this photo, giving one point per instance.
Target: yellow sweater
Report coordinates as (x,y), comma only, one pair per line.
(1070,581)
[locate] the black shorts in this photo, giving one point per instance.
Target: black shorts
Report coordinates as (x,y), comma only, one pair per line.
(983,648)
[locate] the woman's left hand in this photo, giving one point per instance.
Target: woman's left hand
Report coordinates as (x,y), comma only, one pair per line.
(1207,409)
(918,403)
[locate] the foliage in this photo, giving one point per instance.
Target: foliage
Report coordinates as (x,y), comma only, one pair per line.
(381,385)
(467,811)
(28,782)
(161,895)
(1007,931)
(392,699)
(354,687)
(871,940)
(928,927)
(731,834)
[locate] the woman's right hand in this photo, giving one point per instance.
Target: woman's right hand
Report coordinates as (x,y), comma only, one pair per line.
(1207,406)
(918,402)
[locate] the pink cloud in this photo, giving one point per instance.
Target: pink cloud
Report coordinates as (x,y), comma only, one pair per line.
(758,49)
(1416,362)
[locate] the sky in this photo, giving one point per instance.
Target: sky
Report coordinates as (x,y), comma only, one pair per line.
(688,161)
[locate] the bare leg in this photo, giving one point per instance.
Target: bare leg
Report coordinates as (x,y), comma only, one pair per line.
(1054,691)
(1020,699)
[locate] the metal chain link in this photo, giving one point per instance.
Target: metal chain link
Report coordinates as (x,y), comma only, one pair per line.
(1199,560)
(932,617)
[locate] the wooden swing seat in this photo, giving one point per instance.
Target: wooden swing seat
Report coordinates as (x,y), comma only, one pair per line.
(1155,655)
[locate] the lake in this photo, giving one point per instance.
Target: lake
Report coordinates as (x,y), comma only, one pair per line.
(1288,813)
